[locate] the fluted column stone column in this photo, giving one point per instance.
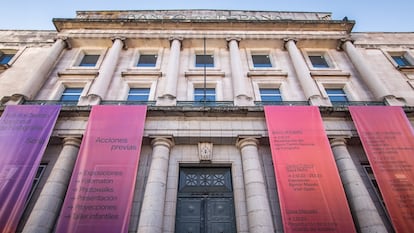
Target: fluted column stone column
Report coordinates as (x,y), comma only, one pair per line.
(171,77)
(152,210)
(47,207)
(379,90)
(306,81)
(106,71)
(362,207)
(258,208)
(241,97)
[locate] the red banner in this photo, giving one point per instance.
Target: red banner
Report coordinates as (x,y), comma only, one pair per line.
(388,140)
(311,195)
(100,193)
(24,134)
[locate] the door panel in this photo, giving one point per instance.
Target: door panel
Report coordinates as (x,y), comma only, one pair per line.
(189,217)
(220,215)
(205,201)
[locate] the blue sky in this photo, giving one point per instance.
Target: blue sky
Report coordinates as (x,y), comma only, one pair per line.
(370,15)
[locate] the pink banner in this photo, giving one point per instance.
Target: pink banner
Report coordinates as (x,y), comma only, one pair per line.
(311,195)
(388,140)
(100,193)
(24,134)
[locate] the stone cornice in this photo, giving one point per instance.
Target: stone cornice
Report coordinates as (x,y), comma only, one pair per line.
(229,25)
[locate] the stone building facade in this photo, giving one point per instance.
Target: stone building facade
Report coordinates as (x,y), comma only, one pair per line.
(205,76)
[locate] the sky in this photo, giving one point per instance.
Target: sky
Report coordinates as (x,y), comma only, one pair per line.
(370,15)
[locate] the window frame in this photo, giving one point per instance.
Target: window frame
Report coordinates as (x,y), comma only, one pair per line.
(404,54)
(82,53)
(323,54)
(15,52)
(4,56)
(147,94)
(209,52)
(260,65)
(147,64)
(208,89)
(277,95)
(147,51)
(65,88)
(207,65)
(36,180)
(343,94)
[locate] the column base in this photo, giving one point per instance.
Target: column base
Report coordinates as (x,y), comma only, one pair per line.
(166,100)
(317,100)
(394,101)
(13,100)
(243,100)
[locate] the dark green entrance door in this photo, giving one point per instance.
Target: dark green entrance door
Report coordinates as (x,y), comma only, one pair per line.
(205,201)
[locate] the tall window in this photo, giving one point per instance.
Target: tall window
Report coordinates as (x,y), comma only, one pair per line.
(147,60)
(270,94)
(40,170)
(204,60)
(71,94)
(138,94)
(261,61)
(401,60)
(89,60)
(5,58)
(336,95)
(318,61)
(210,94)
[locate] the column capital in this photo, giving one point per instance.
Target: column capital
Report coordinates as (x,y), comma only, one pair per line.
(342,41)
(237,39)
(243,141)
(65,40)
(179,38)
(230,39)
(72,141)
(166,140)
(338,141)
(286,40)
(175,38)
(122,39)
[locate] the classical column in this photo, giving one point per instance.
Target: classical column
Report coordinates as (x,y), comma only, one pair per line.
(170,88)
(239,80)
(101,83)
(40,75)
(368,76)
(48,205)
(309,86)
(258,208)
(362,207)
(152,210)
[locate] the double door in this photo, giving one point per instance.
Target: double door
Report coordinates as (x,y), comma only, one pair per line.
(205,201)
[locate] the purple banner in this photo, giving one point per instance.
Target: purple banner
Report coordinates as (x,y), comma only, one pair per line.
(24,134)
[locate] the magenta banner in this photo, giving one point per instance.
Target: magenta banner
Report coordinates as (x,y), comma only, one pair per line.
(24,134)
(100,193)
(388,140)
(311,195)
